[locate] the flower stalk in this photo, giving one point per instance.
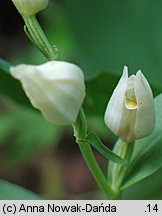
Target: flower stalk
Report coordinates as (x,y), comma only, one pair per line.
(80,133)
(116,172)
(28,10)
(36,35)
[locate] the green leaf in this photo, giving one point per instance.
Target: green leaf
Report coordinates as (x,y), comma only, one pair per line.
(140,190)
(111,40)
(31,133)
(112,34)
(98,92)
(9,191)
(4,65)
(93,140)
(147,157)
(10,86)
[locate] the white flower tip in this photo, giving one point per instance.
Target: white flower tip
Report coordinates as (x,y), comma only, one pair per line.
(16,71)
(125,70)
(139,74)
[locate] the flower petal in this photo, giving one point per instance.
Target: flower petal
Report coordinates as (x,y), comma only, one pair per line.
(114,110)
(145,119)
(55,88)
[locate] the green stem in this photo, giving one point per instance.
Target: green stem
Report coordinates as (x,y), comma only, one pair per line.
(37,36)
(95,169)
(116,172)
(85,148)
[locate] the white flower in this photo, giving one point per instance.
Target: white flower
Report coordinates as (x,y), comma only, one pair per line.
(56,88)
(130,112)
(30,7)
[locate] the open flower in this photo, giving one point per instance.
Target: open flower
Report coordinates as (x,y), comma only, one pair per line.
(56,88)
(130,112)
(30,7)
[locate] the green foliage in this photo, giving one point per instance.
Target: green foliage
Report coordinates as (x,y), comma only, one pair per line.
(147,157)
(9,191)
(9,86)
(111,34)
(30,133)
(140,190)
(94,140)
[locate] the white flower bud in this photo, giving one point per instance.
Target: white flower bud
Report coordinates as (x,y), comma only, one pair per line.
(130,112)
(30,7)
(55,88)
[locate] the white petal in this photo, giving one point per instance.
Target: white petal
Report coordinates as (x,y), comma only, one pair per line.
(19,70)
(126,131)
(55,88)
(114,110)
(145,119)
(59,70)
(130,100)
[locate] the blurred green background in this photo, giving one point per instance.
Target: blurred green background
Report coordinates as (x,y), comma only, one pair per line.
(101,37)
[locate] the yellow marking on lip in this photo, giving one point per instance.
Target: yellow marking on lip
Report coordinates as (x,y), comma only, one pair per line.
(130,104)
